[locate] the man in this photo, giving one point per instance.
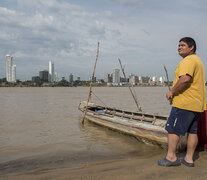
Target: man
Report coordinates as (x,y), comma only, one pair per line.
(188,99)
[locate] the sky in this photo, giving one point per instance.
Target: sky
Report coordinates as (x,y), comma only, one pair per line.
(144,34)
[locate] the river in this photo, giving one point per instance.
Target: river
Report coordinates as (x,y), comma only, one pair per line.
(41,130)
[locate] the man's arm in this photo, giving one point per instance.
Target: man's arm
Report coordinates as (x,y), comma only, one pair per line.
(182,83)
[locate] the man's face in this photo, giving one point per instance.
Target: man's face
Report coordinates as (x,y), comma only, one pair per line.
(184,50)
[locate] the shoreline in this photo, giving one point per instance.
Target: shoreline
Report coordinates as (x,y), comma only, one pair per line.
(127,168)
(88,86)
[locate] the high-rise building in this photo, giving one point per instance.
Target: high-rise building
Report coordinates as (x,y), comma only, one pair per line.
(51,75)
(35,79)
(162,79)
(56,77)
(13,73)
(10,69)
(70,78)
(154,78)
(133,79)
(108,78)
(116,76)
(43,76)
(145,79)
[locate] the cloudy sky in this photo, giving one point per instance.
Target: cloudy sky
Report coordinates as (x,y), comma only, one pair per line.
(144,34)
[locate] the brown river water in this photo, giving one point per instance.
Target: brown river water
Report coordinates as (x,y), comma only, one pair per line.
(41,137)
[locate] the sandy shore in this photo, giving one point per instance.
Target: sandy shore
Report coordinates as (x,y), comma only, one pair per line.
(136,168)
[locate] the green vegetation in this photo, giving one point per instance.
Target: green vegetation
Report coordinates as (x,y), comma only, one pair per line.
(62,83)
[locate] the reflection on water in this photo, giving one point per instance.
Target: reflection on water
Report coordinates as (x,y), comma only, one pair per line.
(40,127)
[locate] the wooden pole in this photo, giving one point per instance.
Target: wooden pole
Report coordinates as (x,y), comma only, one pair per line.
(139,107)
(168,82)
(92,77)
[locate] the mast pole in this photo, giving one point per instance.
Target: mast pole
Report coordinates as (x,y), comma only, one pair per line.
(168,82)
(138,106)
(90,90)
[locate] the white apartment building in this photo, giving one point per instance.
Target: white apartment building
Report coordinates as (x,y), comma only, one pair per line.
(56,77)
(51,76)
(10,69)
(154,79)
(13,73)
(133,79)
(116,76)
(162,79)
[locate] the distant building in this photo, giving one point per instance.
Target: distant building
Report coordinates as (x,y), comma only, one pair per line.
(56,78)
(154,79)
(70,78)
(100,81)
(133,79)
(10,69)
(162,80)
(35,79)
(108,78)
(140,78)
(44,76)
(51,75)
(116,76)
(13,73)
(123,80)
(93,80)
(145,80)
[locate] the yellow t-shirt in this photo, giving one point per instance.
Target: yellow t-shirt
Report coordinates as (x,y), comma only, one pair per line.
(194,97)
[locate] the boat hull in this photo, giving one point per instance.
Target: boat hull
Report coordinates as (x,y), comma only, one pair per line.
(150,131)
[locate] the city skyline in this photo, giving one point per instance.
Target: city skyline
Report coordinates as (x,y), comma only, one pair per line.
(52,76)
(143,34)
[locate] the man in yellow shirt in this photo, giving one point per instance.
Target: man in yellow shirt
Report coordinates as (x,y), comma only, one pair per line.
(188,99)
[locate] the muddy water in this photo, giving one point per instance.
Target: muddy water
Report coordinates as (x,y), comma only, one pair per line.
(40,128)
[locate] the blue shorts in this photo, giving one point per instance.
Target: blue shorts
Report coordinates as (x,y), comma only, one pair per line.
(181,121)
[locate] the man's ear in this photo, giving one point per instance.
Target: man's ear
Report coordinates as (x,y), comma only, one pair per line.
(192,47)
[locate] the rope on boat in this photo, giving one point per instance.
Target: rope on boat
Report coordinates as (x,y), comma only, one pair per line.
(99,99)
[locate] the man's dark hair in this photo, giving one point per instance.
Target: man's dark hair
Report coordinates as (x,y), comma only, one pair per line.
(190,42)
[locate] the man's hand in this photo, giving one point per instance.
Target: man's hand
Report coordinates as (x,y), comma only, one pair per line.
(169,95)
(182,83)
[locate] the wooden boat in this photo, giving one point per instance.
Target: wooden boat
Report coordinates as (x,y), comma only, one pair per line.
(146,127)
